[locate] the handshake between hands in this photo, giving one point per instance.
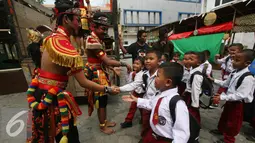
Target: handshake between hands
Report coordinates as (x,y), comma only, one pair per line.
(127,98)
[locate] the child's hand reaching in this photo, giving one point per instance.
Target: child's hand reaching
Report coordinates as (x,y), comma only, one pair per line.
(209,77)
(129,98)
(217,56)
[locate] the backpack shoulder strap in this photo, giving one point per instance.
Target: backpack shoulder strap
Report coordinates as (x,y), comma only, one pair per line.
(226,61)
(240,80)
(172,106)
(192,76)
(145,77)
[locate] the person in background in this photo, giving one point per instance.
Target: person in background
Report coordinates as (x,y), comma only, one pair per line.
(164,58)
(176,57)
(140,46)
(163,46)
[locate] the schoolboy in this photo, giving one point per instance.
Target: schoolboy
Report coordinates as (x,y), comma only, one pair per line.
(186,72)
(138,67)
(193,87)
(206,65)
(176,57)
(232,116)
(152,62)
(162,128)
(226,62)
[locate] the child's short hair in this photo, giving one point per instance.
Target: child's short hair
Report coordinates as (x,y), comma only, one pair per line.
(174,71)
(166,56)
(188,53)
(201,56)
(239,45)
(207,53)
(177,54)
(155,52)
(141,59)
(249,54)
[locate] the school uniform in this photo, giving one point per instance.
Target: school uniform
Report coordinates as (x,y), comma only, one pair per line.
(138,92)
(232,116)
(149,93)
(209,67)
(227,68)
(192,93)
(185,77)
(162,128)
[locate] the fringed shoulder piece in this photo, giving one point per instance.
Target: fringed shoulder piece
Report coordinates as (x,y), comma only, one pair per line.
(62,52)
(93,42)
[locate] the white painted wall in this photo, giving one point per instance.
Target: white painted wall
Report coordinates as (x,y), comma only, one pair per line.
(169,9)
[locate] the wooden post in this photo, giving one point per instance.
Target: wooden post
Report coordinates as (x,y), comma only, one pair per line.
(231,33)
(116,32)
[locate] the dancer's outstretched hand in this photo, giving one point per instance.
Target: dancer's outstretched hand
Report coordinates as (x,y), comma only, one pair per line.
(129,98)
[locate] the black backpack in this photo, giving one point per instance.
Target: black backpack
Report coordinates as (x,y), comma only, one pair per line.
(249,108)
(207,93)
(193,126)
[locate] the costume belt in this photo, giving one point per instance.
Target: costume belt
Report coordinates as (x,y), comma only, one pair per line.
(51,82)
(48,80)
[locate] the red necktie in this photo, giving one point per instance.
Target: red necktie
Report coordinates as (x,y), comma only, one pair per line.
(155,114)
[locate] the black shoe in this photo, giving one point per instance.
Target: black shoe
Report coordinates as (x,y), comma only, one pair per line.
(213,106)
(126,125)
(215,132)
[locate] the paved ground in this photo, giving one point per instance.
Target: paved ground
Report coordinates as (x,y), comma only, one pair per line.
(89,132)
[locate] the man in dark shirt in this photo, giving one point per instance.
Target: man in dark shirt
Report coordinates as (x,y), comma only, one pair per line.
(140,47)
(163,45)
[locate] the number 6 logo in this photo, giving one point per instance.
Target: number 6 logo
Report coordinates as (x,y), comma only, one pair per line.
(14,121)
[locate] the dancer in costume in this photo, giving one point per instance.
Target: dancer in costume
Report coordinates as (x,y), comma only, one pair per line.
(94,69)
(54,110)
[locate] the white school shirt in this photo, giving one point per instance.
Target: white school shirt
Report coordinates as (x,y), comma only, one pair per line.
(245,90)
(186,73)
(135,85)
(229,67)
(180,131)
(138,82)
(195,87)
(209,68)
(129,78)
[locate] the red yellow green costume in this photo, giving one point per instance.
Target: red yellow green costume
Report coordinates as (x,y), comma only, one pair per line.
(54,110)
(94,69)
